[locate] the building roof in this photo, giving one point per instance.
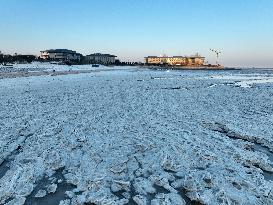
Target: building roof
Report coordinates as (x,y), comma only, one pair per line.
(101,54)
(60,51)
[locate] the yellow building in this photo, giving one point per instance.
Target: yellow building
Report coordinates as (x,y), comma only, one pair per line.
(175,60)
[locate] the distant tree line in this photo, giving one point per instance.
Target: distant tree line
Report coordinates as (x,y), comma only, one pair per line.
(119,63)
(17,58)
(116,63)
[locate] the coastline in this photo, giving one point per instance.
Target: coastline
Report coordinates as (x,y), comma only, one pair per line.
(25,73)
(19,74)
(190,68)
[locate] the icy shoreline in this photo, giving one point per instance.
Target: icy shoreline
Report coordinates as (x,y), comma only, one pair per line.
(136,136)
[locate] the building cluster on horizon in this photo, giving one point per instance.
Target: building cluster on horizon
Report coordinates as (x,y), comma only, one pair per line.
(72,56)
(192,61)
(108,59)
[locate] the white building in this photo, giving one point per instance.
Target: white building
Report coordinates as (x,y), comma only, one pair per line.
(99,58)
(176,60)
(60,55)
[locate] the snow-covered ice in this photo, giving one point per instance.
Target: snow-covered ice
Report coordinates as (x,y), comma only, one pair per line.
(246,80)
(137,136)
(38,66)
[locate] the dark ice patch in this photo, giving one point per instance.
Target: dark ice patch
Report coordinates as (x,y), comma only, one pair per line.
(257,147)
(183,193)
(4,168)
(51,198)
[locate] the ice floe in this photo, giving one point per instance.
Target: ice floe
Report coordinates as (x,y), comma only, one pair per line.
(136,136)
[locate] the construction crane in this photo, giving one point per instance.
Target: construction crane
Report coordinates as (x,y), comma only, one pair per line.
(217,55)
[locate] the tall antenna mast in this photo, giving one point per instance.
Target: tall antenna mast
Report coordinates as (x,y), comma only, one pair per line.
(217,55)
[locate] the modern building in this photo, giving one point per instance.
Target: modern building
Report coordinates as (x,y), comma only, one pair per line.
(196,60)
(60,55)
(99,58)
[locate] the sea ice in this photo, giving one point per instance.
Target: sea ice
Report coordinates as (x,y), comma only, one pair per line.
(134,135)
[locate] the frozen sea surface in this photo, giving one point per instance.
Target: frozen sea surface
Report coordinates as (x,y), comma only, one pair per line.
(137,136)
(38,66)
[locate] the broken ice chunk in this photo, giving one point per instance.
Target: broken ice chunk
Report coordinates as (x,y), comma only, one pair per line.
(169,164)
(119,185)
(65,202)
(40,194)
(17,201)
(118,168)
(52,188)
(140,200)
(143,186)
(168,199)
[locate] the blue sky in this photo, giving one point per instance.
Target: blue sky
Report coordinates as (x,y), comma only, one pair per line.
(132,29)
